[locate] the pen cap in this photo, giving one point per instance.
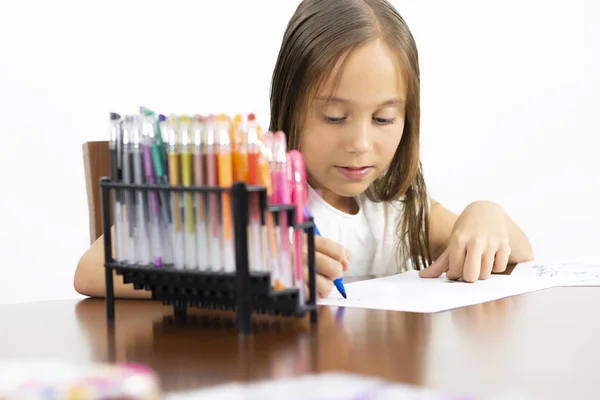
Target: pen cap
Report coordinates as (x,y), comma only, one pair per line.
(185,133)
(223,138)
(172,133)
(267,147)
(114,126)
(267,154)
(210,138)
(279,148)
(265,164)
(239,134)
(147,129)
(162,125)
(252,134)
(197,131)
(135,130)
(297,174)
(146,111)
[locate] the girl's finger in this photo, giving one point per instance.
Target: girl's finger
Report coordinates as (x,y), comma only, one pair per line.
(324,286)
(501,261)
(325,265)
(456,256)
(331,249)
(437,268)
(472,265)
(487,263)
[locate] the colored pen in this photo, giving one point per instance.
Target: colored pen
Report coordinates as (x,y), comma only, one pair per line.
(210,156)
(128,214)
(240,150)
(141,198)
(225,180)
(160,175)
(176,201)
(187,166)
(271,240)
(339,282)
(199,197)
(283,196)
(163,127)
(115,139)
(254,179)
(158,135)
(298,198)
(148,137)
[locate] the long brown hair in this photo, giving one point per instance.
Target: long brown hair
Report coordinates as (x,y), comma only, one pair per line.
(320,34)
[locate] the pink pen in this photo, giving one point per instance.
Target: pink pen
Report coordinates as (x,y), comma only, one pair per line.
(283,196)
(297,170)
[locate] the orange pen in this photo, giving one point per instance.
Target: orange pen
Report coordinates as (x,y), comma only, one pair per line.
(240,150)
(254,179)
(225,176)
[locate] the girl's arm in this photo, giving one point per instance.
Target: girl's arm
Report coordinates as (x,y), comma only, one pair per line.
(89,275)
(441,225)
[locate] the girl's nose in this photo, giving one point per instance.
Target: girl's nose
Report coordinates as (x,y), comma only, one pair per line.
(359,139)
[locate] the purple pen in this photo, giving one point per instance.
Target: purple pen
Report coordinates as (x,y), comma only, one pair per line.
(148,139)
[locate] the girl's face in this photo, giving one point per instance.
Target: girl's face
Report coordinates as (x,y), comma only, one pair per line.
(350,138)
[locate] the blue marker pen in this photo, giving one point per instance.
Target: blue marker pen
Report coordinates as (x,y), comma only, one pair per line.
(339,283)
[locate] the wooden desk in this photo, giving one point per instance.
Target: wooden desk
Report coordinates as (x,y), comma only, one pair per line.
(543,345)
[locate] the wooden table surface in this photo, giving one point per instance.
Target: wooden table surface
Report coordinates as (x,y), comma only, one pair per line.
(541,345)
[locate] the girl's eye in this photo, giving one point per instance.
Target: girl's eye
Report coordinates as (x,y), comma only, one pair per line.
(332,120)
(384,121)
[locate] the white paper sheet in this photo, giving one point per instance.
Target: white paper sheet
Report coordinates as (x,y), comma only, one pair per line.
(329,386)
(561,274)
(408,292)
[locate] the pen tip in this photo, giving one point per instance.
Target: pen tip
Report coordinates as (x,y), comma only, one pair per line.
(344,295)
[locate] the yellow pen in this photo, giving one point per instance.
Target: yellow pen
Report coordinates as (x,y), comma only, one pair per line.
(200,199)
(187,166)
(172,135)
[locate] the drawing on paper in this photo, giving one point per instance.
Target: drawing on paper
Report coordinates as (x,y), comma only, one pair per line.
(451,281)
(579,272)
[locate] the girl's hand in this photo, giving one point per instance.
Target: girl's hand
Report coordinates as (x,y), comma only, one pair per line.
(478,246)
(331,259)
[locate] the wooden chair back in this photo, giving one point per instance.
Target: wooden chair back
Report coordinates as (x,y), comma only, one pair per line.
(96,164)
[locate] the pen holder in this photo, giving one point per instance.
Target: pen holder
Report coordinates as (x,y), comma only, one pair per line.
(242,291)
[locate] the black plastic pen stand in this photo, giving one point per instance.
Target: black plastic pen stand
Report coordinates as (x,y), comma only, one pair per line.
(243,291)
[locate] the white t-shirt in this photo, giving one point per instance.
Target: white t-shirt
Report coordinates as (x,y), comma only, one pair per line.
(370,235)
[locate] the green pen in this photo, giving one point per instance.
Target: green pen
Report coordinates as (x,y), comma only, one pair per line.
(158,136)
(161,176)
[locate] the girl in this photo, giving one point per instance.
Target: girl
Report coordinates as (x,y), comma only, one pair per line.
(345,89)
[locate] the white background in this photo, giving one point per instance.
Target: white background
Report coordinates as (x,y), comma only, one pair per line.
(509,93)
